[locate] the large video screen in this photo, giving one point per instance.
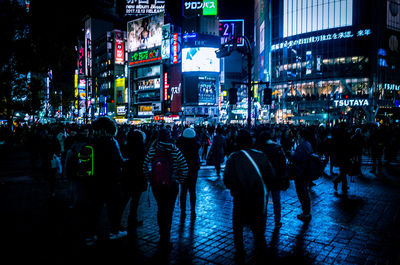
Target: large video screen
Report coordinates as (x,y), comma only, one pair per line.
(303,16)
(144,33)
(200,59)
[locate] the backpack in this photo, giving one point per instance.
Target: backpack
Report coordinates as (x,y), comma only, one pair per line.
(315,166)
(162,169)
(85,166)
(277,158)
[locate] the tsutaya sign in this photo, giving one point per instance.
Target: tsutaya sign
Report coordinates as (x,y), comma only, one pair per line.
(323,37)
(390,87)
(351,102)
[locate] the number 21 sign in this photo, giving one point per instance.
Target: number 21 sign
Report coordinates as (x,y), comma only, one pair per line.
(232,29)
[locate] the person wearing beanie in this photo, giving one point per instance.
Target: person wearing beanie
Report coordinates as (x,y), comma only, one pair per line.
(163,156)
(189,146)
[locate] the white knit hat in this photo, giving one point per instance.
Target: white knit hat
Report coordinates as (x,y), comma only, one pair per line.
(189,133)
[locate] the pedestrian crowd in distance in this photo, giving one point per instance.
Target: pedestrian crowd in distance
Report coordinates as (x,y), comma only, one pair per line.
(125,161)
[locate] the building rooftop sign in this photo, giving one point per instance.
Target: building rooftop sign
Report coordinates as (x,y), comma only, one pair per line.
(200,8)
(143,7)
(322,37)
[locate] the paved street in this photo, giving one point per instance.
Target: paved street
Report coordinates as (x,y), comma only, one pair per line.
(360,228)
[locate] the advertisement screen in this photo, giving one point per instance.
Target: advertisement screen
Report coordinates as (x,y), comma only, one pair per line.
(145,33)
(233,28)
(305,16)
(175,84)
(120,90)
(200,60)
(207,90)
(142,7)
(119,47)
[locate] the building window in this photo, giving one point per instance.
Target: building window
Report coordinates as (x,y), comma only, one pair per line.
(303,16)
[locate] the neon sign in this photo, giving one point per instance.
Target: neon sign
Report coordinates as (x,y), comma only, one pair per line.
(166,86)
(319,38)
(351,102)
(229,29)
(146,56)
(200,7)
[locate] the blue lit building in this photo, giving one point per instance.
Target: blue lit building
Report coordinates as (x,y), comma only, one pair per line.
(329,60)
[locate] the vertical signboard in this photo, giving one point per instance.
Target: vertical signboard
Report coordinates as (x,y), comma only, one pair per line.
(166,42)
(176,48)
(175,84)
(81,59)
(166,86)
(120,90)
(119,50)
(308,62)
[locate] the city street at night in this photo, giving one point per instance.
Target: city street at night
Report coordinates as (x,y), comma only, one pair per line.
(361,227)
(200,132)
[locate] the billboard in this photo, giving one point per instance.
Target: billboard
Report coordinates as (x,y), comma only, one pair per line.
(146,56)
(230,28)
(204,7)
(207,90)
(145,33)
(119,50)
(120,90)
(166,42)
(303,16)
(81,59)
(176,48)
(142,7)
(175,84)
(200,59)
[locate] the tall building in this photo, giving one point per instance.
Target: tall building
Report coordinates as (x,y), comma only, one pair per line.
(329,60)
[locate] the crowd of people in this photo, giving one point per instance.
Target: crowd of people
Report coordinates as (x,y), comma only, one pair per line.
(128,160)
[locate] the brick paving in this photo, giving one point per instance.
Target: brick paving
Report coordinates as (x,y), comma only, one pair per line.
(361,227)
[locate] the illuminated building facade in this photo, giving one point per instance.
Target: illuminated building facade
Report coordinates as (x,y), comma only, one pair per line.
(316,53)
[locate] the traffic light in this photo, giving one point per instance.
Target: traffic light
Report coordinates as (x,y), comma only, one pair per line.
(267,96)
(233,95)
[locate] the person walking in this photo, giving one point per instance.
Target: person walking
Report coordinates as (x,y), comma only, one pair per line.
(342,156)
(216,156)
(189,146)
(104,186)
(133,180)
(165,167)
(276,156)
(301,179)
(246,172)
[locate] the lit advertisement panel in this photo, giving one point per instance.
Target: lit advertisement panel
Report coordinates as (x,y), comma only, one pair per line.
(228,29)
(145,33)
(146,56)
(81,58)
(141,7)
(303,16)
(201,90)
(200,60)
(119,47)
(198,7)
(120,90)
(207,90)
(176,48)
(175,84)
